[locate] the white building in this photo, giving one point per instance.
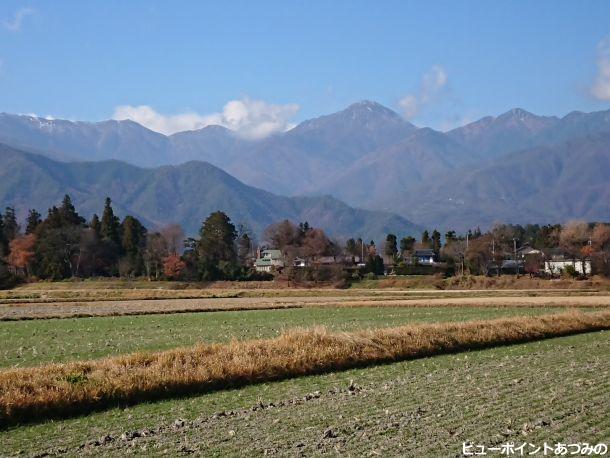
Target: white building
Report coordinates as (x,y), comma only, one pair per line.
(558,266)
(268,260)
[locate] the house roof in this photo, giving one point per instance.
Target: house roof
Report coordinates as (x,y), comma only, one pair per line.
(326,260)
(425,252)
(273,254)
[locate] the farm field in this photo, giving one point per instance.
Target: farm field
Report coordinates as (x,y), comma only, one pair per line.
(14,309)
(34,342)
(552,390)
(428,405)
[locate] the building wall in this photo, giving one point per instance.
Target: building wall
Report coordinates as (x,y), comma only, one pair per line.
(556,267)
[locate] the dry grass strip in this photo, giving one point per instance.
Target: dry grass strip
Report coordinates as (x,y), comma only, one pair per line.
(59,390)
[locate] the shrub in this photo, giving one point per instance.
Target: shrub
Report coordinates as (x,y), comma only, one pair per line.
(571,271)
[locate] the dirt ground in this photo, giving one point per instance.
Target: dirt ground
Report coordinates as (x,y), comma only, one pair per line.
(70,309)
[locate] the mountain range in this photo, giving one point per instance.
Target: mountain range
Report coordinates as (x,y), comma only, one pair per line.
(516,167)
(184,194)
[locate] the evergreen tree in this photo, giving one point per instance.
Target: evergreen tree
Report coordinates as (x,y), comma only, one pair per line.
(33,221)
(133,236)
(425,239)
(110,228)
(407,243)
(374,264)
(133,239)
(57,249)
(6,279)
(217,254)
(436,241)
(450,236)
(68,214)
(11,227)
(95,225)
(3,239)
(390,248)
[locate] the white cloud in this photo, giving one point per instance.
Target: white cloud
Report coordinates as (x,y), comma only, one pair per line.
(601,88)
(14,25)
(432,82)
(252,119)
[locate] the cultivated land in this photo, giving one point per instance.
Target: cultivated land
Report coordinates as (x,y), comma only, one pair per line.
(554,389)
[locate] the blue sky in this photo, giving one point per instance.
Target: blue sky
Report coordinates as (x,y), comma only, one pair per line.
(440,63)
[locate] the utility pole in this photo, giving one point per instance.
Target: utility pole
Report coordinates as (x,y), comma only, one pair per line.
(515,250)
(362,249)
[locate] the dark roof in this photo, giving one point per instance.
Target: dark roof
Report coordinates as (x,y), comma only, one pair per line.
(425,252)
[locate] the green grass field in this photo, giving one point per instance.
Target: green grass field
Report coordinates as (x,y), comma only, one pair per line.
(552,390)
(27,343)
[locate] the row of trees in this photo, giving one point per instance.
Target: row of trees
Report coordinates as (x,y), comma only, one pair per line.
(65,245)
(476,251)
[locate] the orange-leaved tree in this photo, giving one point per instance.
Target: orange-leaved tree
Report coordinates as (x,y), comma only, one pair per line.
(21,253)
(173,266)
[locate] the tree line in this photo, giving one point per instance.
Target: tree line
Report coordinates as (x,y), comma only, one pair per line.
(65,245)
(476,252)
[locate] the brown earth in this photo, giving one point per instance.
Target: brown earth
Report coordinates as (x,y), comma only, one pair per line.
(69,309)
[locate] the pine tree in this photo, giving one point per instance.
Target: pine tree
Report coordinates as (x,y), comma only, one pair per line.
(95,225)
(68,214)
(33,221)
(133,236)
(425,239)
(110,226)
(11,227)
(3,239)
(436,241)
(133,239)
(216,248)
(407,243)
(390,248)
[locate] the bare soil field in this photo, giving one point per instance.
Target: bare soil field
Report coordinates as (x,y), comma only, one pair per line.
(89,308)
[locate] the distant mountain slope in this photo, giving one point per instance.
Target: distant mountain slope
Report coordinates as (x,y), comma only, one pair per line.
(375,179)
(91,141)
(366,155)
(518,129)
(185,194)
(285,163)
(570,180)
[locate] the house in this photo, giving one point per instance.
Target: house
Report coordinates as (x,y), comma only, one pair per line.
(325,260)
(557,265)
(268,260)
(512,267)
(425,256)
(527,250)
(299,262)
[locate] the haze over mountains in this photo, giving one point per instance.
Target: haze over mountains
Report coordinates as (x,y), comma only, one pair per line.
(517,167)
(184,194)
